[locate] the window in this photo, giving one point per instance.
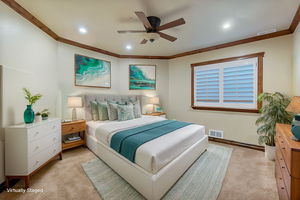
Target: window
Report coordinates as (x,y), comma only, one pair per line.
(229,84)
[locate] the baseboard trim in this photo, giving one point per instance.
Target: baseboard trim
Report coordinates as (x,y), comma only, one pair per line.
(12,182)
(239,144)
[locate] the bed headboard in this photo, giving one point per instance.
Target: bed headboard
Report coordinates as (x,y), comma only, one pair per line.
(104,97)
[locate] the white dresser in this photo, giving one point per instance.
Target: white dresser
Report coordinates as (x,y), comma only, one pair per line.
(28,147)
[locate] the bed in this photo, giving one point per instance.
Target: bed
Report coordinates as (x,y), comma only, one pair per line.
(155,169)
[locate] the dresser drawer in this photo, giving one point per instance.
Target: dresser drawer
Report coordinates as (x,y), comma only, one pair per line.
(72,128)
(39,145)
(280,184)
(42,130)
(285,151)
(284,171)
(39,159)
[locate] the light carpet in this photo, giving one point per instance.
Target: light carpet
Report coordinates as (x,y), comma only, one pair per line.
(203,180)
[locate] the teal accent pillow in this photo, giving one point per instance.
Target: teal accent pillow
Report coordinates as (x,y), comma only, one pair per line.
(95,114)
(112,111)
(102,111)
(109,101)
(125,112)
(137,109)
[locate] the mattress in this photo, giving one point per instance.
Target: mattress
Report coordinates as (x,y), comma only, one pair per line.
(157,153)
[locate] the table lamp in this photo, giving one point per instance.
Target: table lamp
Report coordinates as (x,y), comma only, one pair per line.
(74,102)
(153,100)
(294,107)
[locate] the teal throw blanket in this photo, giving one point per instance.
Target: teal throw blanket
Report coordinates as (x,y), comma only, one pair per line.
(126,142)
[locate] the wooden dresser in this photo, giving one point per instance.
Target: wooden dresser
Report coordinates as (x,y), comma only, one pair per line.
(287,163)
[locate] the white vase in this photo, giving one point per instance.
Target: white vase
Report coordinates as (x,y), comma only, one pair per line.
(37,118)
(270,152)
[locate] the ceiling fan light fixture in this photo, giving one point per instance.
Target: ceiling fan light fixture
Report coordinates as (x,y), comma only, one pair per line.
(152,36)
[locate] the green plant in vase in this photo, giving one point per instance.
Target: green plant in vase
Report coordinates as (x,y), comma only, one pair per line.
(32,99)
(45,114)
(271,113)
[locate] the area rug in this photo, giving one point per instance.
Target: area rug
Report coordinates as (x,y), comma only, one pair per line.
(203,180)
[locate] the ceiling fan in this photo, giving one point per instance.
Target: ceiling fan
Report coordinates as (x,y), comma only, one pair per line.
(153,28)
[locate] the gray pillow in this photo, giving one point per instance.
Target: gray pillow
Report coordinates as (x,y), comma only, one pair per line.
(95,114)
(112,111)
(125,112)
(137,109)
(102,111)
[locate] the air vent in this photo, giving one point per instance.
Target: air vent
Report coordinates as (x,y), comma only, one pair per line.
(214,133)
(267,32)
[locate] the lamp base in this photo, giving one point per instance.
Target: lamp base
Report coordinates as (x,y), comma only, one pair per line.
(294,138)
(74,115)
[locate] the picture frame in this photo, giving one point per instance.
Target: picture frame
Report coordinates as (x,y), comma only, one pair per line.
(91,72)
(142,77)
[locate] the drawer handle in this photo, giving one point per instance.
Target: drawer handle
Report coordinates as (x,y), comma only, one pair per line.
(37,132)
(280,158)
(36,162)
(280,178)
(282,167)
(72,127)
(282,188)
(283,148)
(37,147)
(54,138)
(281,141)
(54,150)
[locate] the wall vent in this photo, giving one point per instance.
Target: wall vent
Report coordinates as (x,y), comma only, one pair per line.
(216,134)
(267,32)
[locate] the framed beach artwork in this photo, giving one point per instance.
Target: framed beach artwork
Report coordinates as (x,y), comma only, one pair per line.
(142,77)
(92,72)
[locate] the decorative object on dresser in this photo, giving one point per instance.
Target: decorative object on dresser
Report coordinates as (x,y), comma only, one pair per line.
(92,72)
(29,147)
(163,115)
(45,114)
(294,107)
(29,113)
(273,112)
(153,100)
(38,117)
(74,102)
(287,163)
(73,127)
(142,77)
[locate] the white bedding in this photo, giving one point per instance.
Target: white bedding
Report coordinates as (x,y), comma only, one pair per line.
(156,153)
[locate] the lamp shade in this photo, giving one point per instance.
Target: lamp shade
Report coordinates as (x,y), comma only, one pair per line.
(74,102)
(294,106)
(154,100)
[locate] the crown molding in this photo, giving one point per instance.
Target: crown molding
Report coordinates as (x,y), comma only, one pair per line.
(23,12)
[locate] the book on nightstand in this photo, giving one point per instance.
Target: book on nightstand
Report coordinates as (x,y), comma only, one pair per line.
(67,140)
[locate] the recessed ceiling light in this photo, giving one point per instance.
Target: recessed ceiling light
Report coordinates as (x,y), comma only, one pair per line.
(128,47)
(226,26)
(82,30)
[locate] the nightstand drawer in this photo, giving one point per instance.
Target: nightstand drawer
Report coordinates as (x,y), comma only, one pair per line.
(42,130)
(39,159)
(72,128)
(39,145)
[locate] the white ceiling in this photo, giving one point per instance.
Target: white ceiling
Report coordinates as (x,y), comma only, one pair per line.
(203,28)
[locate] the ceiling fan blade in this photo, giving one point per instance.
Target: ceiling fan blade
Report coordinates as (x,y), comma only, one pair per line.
(144,41)
(144,19)
(167,37)
(172,24)
(131,32)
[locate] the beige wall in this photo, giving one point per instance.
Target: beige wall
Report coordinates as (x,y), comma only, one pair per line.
(236,126)
(296,62)
(29,59)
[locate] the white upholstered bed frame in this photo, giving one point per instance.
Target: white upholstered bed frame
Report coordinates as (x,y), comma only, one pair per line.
(151,186)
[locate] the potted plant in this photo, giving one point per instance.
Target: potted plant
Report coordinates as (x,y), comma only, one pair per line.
(38,117)
(271,113)
(45,114)
(32,99)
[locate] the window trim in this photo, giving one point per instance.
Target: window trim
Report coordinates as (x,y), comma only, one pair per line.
(259,57)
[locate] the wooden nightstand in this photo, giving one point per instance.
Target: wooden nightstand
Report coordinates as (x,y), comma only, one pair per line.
(163,115)
(73,127)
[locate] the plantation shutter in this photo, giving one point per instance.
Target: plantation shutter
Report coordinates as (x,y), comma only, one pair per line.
(207,85)
(238,84)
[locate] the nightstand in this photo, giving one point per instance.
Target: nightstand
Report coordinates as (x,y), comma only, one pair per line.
(73,127)
(163,115)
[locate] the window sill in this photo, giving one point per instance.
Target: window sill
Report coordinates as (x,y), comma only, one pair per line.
(225,109)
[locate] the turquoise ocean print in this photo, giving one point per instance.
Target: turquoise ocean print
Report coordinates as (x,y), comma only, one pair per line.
(91,72)
(142,77)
